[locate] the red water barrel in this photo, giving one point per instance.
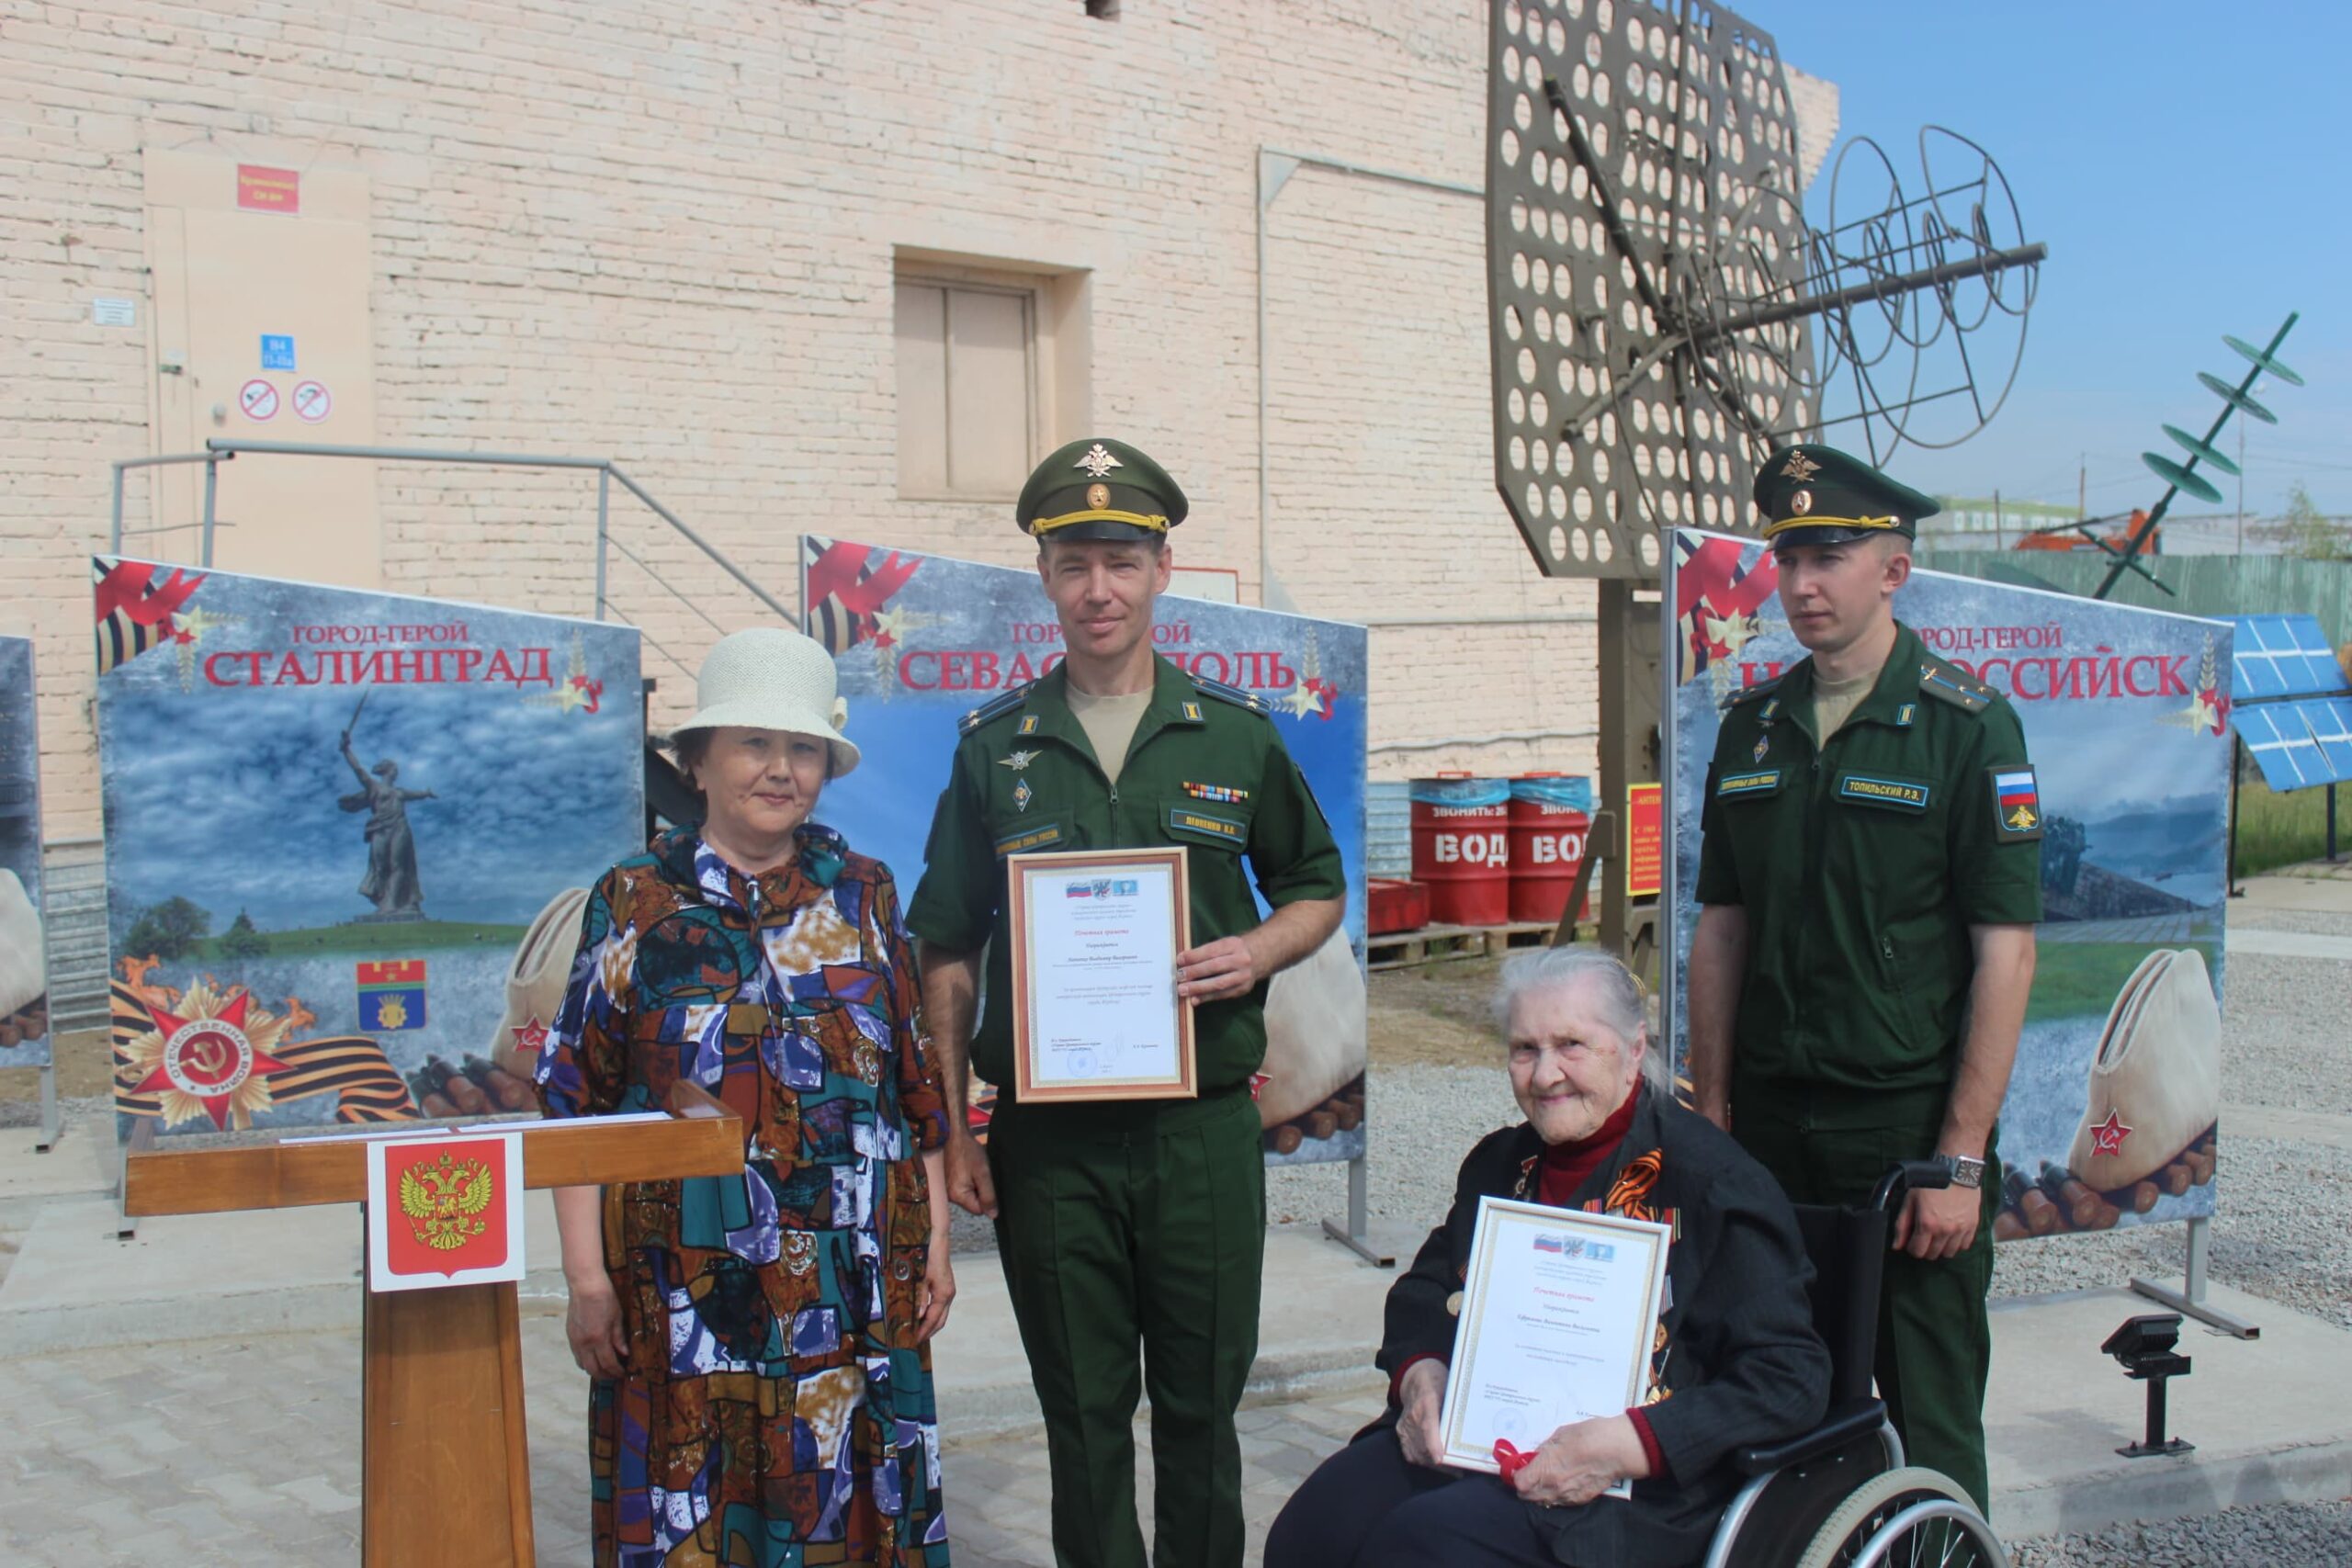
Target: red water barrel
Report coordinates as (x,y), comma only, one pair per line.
(1548,833)
(1462,848)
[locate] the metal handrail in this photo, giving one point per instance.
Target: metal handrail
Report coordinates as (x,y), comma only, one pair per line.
(220,449)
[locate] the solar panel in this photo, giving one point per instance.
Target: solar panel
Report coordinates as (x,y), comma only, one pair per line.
(2282,745)
(2283,655)
(2330,720)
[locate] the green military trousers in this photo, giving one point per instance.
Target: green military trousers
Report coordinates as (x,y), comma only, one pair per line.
(1935,1348)
(1121,1232)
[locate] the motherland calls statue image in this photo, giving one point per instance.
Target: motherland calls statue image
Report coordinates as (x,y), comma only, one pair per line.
(391,884)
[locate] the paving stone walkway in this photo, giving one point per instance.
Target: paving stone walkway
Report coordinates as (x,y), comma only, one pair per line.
(242,1451)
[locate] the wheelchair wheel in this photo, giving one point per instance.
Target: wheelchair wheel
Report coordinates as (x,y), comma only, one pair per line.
(1905,1518)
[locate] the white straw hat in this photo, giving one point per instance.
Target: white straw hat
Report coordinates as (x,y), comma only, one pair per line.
(768,678)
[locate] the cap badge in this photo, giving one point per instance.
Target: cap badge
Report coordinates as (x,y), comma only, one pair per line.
(1097,462)
(1801,502)
(1097,496)
(1798,467)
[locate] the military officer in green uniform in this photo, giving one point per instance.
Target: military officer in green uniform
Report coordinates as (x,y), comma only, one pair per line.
(1126,1224)
(1870,877)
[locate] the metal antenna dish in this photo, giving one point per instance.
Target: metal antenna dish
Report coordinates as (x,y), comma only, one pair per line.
(1661,316)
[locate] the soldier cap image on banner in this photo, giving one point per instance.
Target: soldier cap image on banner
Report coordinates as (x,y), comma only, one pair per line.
(1099,489)
(1818,495)
(541,969)
(2155,1084)
(23,983)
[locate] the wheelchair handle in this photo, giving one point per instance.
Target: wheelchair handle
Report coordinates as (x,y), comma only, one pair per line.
(1902,1177)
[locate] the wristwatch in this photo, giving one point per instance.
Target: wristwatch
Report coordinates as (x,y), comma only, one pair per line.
(1966,1170)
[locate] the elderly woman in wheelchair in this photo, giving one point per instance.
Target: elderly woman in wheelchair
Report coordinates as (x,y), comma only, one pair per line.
(1728,1454)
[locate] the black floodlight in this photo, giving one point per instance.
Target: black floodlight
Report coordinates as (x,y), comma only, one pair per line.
(2144,1347)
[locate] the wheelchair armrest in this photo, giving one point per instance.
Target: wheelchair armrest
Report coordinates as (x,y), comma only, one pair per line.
(1843,1425)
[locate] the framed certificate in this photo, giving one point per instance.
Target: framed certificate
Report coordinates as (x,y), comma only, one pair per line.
(1095,1013)
(1558,1312)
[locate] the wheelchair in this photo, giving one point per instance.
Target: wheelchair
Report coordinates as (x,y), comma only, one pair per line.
(1841,1495)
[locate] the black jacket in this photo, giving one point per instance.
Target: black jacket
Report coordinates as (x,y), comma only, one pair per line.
(1742,1365)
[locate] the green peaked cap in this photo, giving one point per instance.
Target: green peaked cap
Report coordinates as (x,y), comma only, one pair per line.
(1096,488)
(1818,495)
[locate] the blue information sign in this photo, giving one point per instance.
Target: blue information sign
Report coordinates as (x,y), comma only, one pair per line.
(277,351)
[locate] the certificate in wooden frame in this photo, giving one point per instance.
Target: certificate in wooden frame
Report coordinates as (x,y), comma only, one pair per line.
(1048,887)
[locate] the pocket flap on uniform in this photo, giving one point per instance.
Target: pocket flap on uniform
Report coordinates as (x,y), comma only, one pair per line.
(1884,789)
(1050,834)
(1191,823)
(1742,786)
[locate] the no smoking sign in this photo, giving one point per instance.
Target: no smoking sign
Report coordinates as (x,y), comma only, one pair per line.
(258,399)
(312,401)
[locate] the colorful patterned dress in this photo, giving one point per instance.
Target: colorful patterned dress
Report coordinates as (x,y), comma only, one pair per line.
(777,1409)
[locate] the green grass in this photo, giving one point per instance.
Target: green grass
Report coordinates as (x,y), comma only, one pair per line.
(2074,978)
(402,937)
(2282,830)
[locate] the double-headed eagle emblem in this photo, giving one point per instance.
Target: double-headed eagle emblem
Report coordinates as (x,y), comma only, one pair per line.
(1097,462)
(444,1201)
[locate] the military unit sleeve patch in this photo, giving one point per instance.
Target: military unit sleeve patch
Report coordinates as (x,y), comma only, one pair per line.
(2017,803)
(1740,786)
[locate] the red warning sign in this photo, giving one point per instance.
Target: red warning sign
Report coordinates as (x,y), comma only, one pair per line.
(312,401)
(261,189)
(258,399)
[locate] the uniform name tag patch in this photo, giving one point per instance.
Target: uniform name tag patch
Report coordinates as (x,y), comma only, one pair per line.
(1903,793)
(1223,828)
(1735,786)
(2017,803)
(1044,836)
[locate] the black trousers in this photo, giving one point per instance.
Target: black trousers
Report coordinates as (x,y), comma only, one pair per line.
(1366,1507)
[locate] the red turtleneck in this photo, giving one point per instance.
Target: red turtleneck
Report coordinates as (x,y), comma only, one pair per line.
(1566,1165)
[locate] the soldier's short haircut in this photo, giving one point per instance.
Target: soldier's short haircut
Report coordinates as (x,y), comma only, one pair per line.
(1624,1006)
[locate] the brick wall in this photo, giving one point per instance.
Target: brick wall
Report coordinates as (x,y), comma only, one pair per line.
(666,234)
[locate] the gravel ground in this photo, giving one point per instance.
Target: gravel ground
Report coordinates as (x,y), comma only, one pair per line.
(2283,1032)
(2282,1535)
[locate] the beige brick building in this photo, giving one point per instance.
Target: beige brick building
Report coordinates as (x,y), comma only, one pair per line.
(796,264)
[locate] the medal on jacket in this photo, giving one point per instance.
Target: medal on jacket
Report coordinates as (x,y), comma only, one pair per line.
(1021,795)
(1763,744)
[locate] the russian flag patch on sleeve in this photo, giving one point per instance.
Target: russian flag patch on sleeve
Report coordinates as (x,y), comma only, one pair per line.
(2017,803)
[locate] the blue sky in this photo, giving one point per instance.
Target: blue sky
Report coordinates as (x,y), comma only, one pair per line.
(2182,163)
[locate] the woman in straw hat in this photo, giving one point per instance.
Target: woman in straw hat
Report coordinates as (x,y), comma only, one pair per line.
(757,1345)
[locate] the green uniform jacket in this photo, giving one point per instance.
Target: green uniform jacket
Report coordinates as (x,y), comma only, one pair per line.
(1205,770)
(1862,866)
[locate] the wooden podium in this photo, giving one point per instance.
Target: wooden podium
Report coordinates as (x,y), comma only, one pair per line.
(445,1462)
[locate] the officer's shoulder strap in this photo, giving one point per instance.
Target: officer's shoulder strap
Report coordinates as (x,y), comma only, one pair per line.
(995,708)
(1225,693)
(1947,681)
(1749,694)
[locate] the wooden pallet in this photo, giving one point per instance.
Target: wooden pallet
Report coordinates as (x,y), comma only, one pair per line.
(1443,944)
